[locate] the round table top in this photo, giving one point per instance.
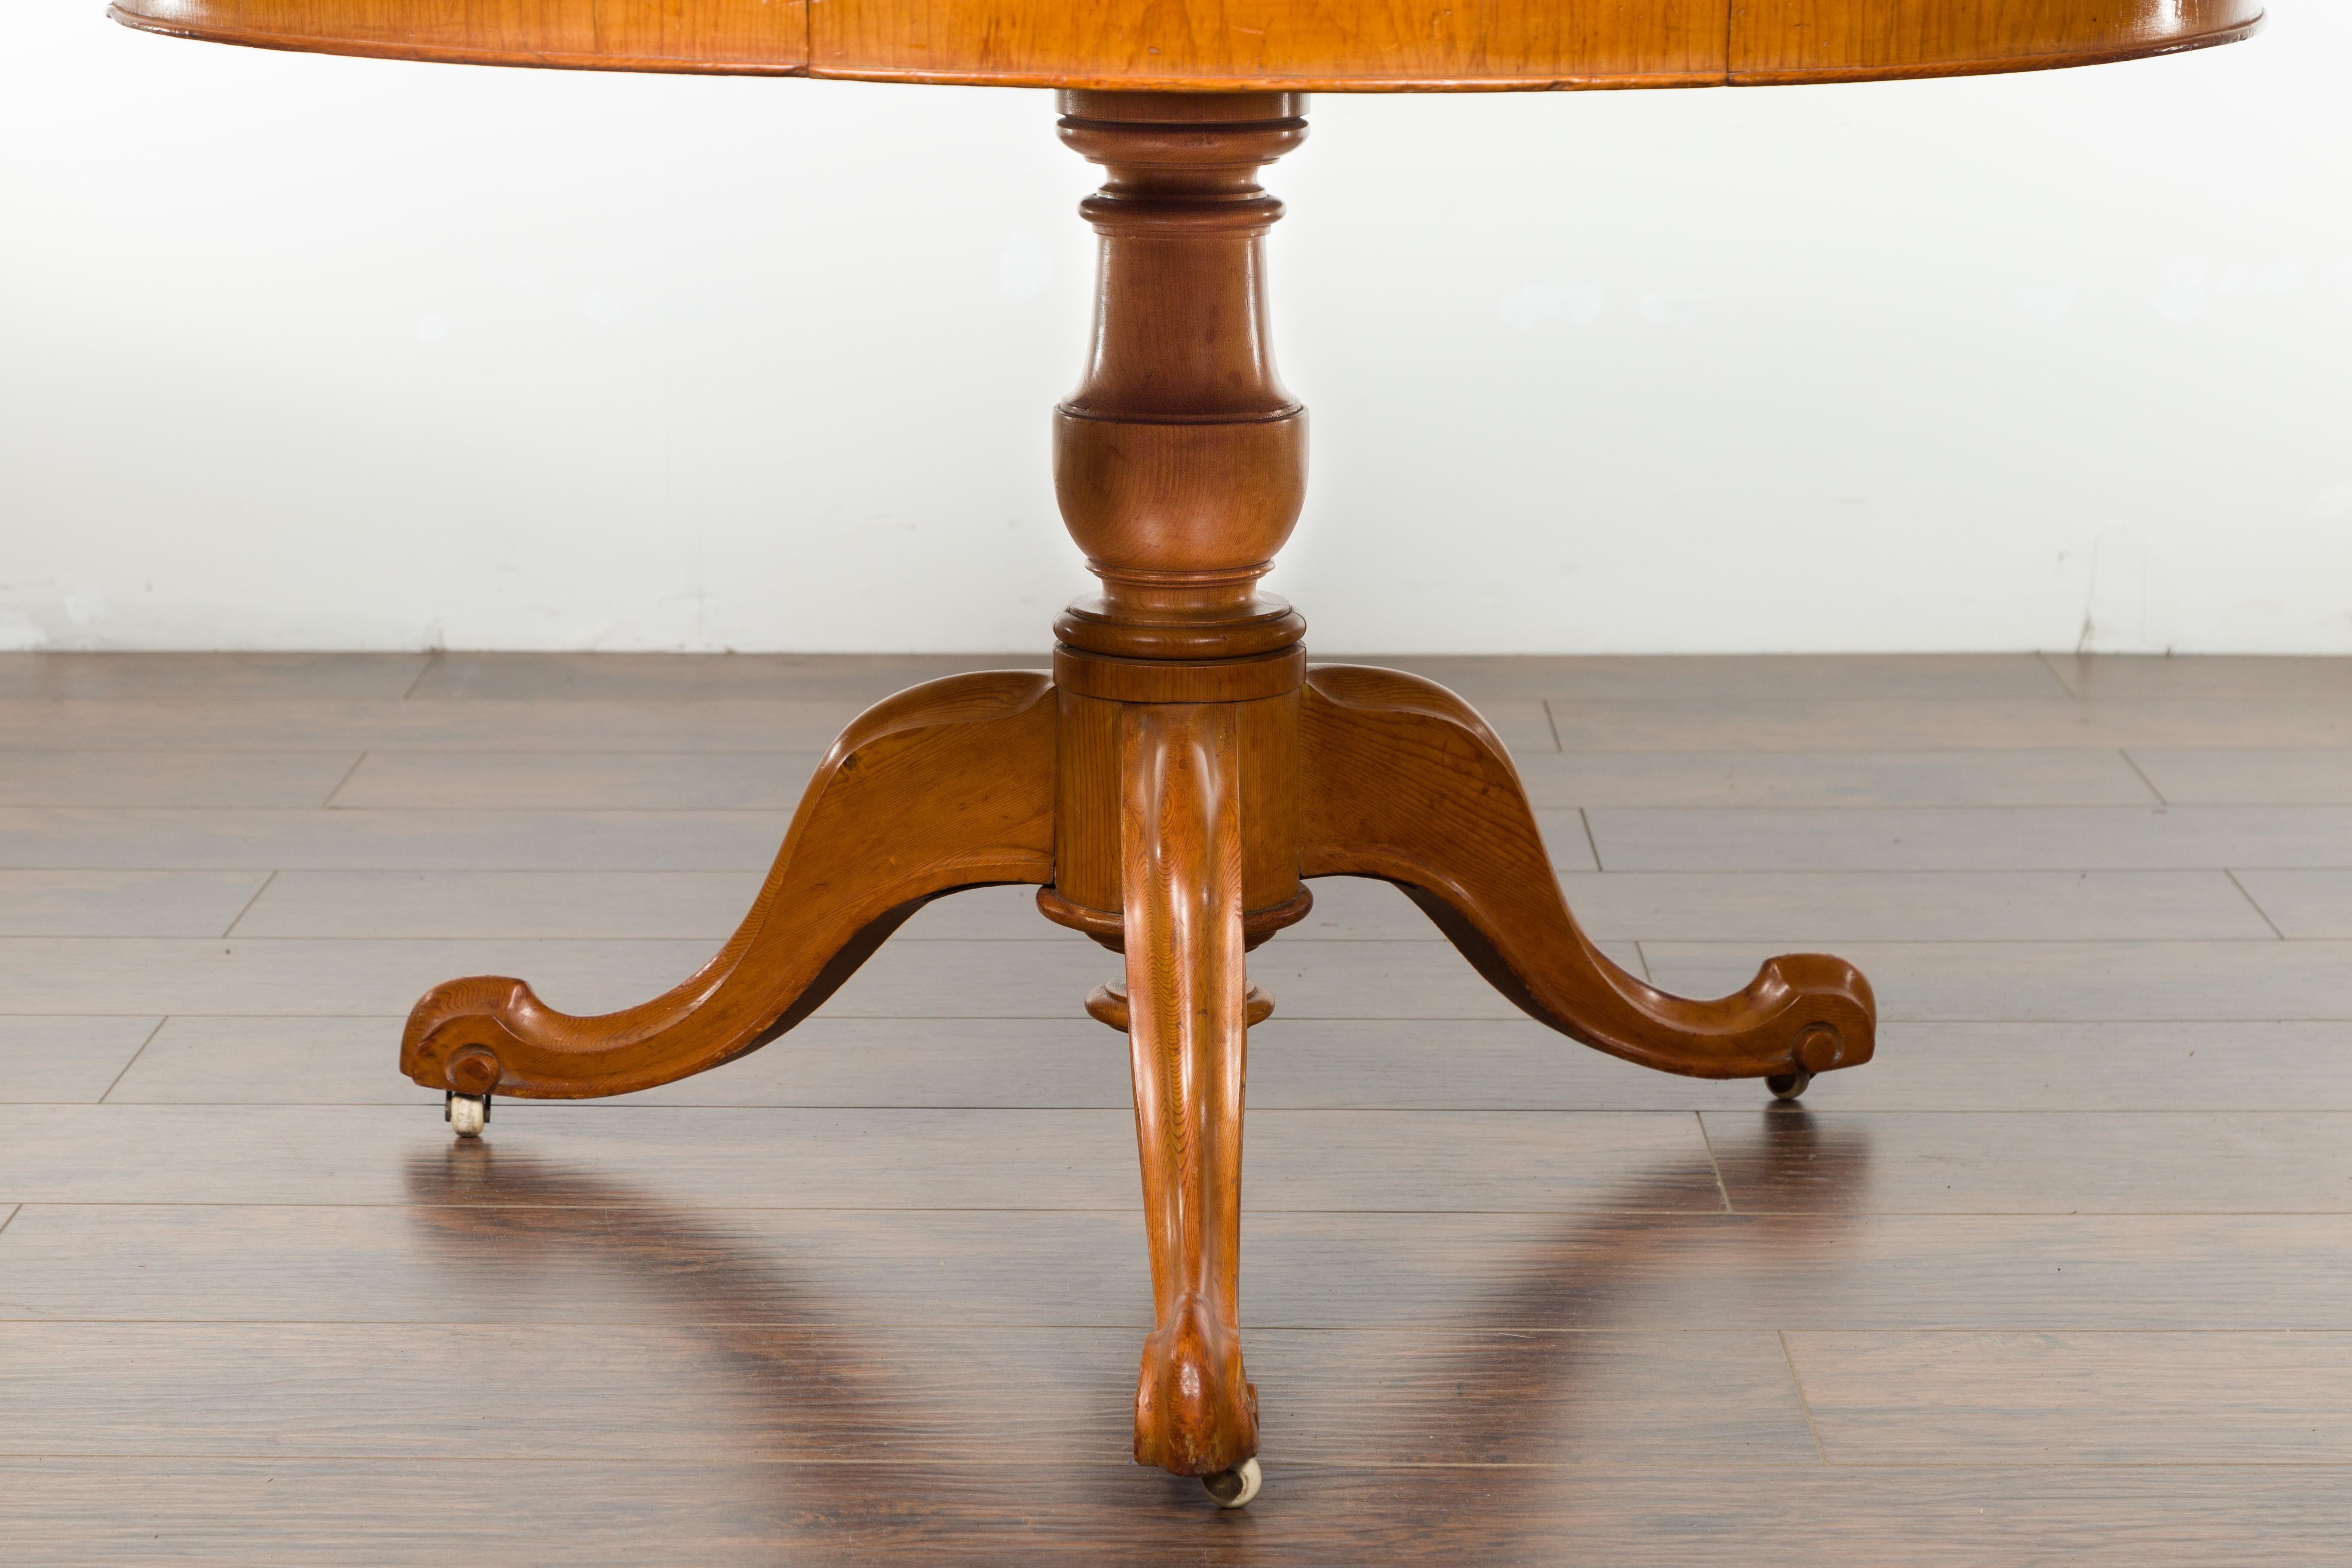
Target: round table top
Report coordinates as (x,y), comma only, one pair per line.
(1330,46)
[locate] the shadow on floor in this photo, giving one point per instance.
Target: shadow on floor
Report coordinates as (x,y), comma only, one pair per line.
(844,1441)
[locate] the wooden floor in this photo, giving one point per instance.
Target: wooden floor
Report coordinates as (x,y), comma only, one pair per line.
(2062,1278)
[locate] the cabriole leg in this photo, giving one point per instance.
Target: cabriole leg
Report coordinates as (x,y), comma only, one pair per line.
(1180,844)
(1402,781)
(944,786)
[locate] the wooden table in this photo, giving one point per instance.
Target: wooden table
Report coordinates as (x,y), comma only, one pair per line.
(1185,773)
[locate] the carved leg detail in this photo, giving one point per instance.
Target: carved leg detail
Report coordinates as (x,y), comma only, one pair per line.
(1107,1004)
(1403,781)
(1181,851)
(947,785)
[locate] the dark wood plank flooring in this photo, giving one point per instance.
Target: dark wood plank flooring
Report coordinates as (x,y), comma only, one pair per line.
(2066,1277)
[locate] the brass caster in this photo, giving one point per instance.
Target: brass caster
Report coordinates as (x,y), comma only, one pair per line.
(1233,1488)
(467,1114)
(1789,1085)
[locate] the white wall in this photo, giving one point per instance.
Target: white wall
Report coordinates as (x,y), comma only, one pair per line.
(309,352)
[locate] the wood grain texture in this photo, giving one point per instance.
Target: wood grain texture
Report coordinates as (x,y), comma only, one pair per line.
(660,1156)
(2268,677)
(1179,467)
(124,903)
(572,676)
(2051,1162)
(1586,778)
(808,1392)
(1813,906)
(513,676)
(196,1060)
(732,36)
(577,781)
(2247,775)
(551,904)
(1065,1062)
(1266,44)
(2147,1066)
(67,1060)
(2303,903)
(301,978)
(247,676)
(2079,1397)
(1997,1065)
(1841,724)
(1032,979)
(771,781)
(875,837)
(1850,40)
(1358,909)
(248,779)
(1356,1064)
(2020,838)
(101,1513)
(1180,462)
(1256,44)
(1181,853)
(1713,678)
(1419,979)
(2087,980)
(2019,1258)
(226,723)
(1405,782)
(73,837)
(1410,1272)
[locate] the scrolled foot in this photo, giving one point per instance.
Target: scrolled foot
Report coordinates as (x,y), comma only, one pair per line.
(1233,1488)
(1195,1411)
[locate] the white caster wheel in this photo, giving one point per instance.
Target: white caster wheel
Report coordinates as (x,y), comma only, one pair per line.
(1789,1085)
(1233,1488)
(467,1114)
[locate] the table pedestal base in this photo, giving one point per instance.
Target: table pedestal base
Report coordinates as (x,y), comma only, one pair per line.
(953,785)
(1170,789)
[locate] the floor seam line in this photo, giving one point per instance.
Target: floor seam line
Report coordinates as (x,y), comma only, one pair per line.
(1712,1163)
(142,1051)
(432,662)
(2133,763)
(1803,1404)
(230,929)
(2041,656)
(2249,898)
(328,803)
